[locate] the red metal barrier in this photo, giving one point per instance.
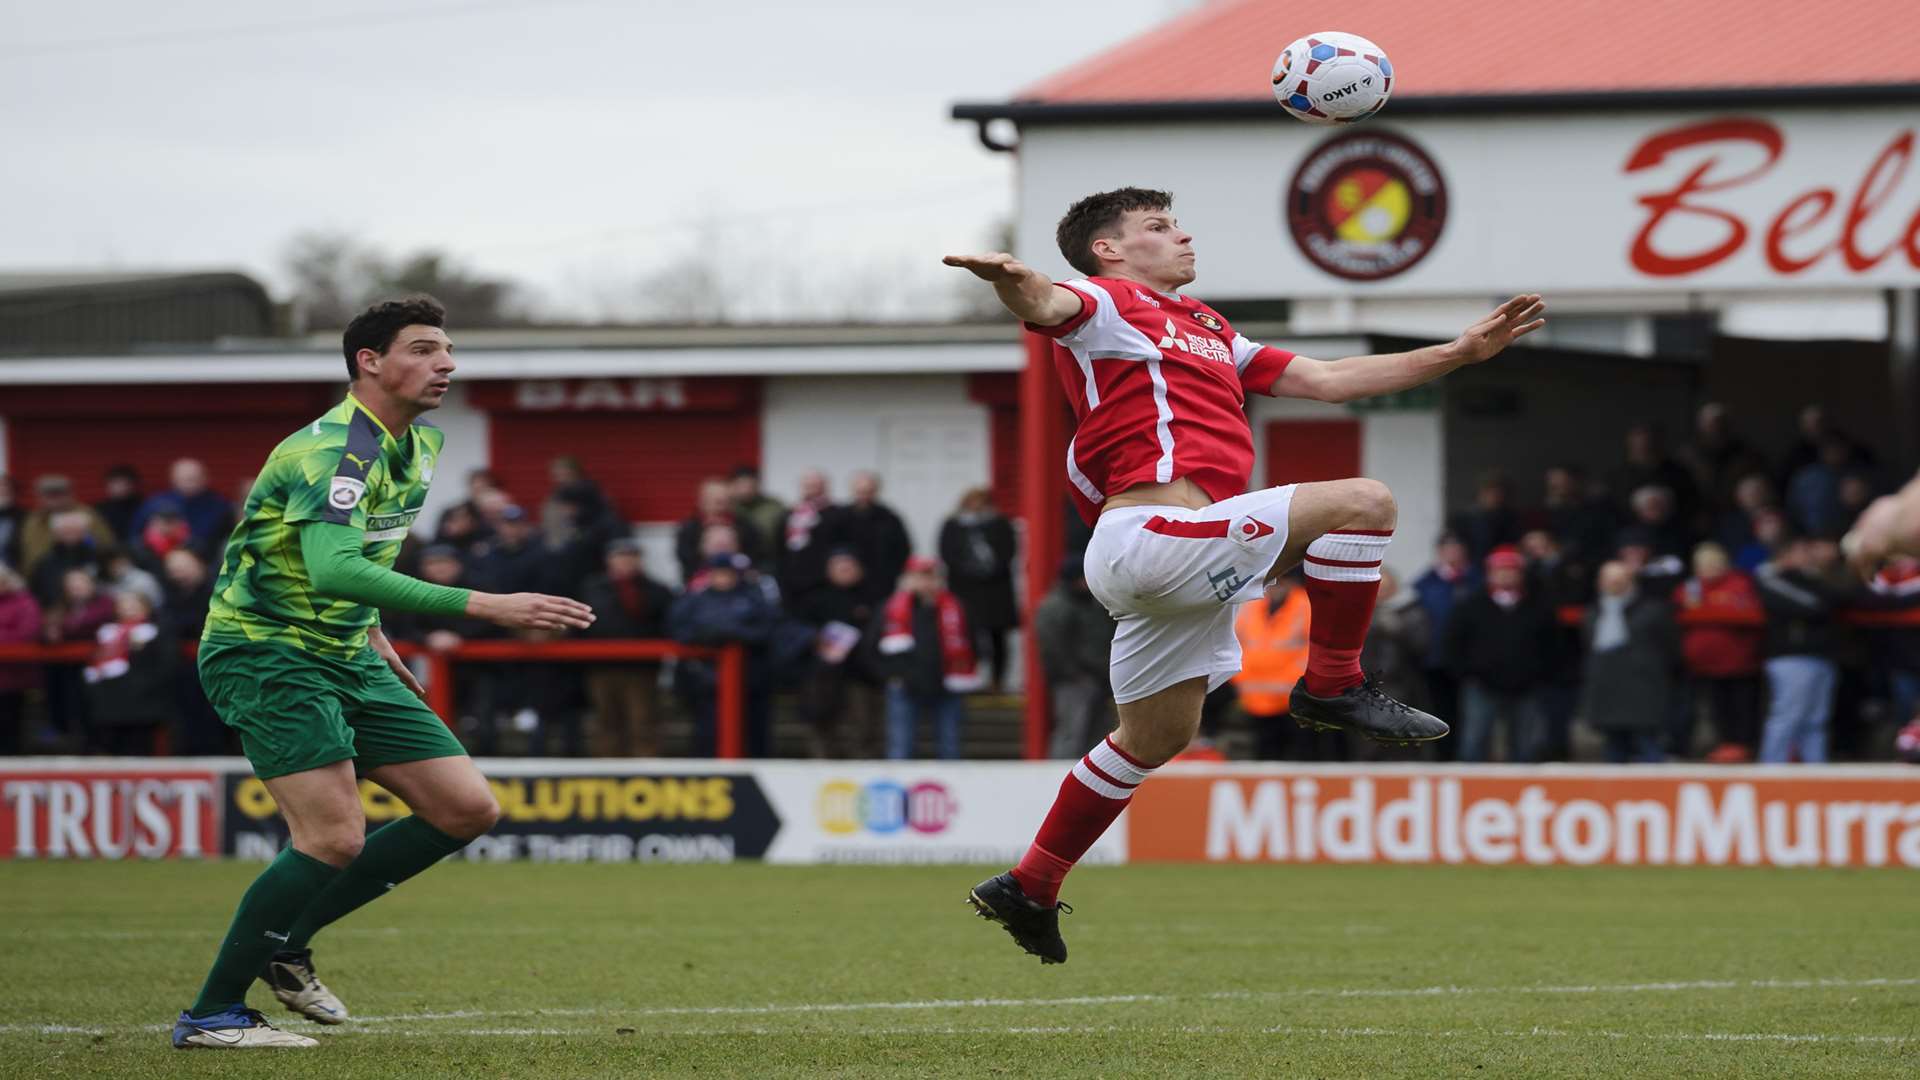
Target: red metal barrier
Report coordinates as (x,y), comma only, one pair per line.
(730,663)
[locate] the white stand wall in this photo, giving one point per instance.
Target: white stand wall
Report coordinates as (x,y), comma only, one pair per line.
(921,433)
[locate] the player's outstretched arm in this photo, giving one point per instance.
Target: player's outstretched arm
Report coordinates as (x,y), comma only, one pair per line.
(1889,526)
(336,568)
(530,611)
(1024,291)
(1385,373)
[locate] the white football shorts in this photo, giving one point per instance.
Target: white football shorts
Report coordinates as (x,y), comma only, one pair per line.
(1172,577)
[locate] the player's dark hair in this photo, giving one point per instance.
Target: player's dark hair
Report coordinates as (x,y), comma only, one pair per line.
(376,327)
(1099,215)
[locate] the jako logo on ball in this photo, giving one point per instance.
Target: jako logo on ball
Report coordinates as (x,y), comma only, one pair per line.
(884,807)
(1366,206)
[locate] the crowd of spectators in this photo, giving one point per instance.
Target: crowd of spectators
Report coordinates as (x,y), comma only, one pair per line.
(826,597)
(1614,599)
(1688,604)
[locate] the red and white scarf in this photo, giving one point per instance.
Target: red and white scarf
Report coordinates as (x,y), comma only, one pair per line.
(801,521)
(113,653)
(956,646)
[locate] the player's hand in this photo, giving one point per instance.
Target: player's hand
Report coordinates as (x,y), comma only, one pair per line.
(996,267)
(530,611)
(378,639)
(1870,541)
(1509,323)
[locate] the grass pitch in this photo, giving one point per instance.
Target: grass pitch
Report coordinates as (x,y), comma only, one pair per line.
(525,970)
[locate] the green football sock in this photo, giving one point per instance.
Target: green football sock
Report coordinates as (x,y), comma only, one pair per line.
(260,928)
(394,853)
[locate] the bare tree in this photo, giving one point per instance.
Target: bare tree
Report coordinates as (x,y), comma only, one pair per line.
(331,275)
(334,276)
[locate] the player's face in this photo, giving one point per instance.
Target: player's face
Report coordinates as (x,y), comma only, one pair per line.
(417,368)
(1153,246)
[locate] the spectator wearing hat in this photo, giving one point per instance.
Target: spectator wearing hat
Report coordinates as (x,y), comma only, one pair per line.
(723,609)
(1499,645)
(1074,634)
(209,514)
(19,625)
(122,502)
(626,604)
(836,698)
(761,511)
(977,545)
(53,496)
(510,561)
(1721,657)
(1631,648)
(926,657)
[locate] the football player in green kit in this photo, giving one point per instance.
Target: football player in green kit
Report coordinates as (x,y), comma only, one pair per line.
(294,660)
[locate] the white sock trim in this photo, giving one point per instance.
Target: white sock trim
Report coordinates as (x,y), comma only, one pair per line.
(1092,782)
(1108,760)
(1349,547)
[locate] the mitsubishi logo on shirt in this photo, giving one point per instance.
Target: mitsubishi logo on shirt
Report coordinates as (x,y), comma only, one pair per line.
(1203,346)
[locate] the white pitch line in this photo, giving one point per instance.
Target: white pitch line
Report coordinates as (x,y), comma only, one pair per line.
(1127,999)
(1107,1029)
(807,1008)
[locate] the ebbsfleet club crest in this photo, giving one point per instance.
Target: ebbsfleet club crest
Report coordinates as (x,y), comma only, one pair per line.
(1366,205)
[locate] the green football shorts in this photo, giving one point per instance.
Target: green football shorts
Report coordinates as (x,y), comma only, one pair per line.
(296,711)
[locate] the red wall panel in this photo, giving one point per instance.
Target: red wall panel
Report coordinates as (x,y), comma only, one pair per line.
(233,447)
(649,464)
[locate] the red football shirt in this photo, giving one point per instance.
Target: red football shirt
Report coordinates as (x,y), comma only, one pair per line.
(1158,385)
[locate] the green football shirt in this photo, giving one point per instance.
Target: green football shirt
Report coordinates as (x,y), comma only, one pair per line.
(347,469)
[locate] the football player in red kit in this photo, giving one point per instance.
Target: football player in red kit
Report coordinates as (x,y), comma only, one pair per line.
(1159,462)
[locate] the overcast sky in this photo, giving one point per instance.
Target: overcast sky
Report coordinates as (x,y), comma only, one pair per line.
(577,146)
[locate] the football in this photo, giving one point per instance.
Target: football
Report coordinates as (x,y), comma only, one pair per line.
(1332,78)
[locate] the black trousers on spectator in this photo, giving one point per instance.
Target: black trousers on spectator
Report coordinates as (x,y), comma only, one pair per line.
(1733,708)
(13,722)
(991,644)
(838,707)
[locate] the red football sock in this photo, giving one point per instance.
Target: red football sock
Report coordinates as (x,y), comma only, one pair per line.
(1091,798)
(1343,578)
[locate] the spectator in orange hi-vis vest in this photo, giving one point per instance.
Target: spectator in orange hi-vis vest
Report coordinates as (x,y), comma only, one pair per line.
(1273,643)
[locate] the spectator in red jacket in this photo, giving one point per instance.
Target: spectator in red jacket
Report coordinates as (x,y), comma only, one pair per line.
(1722,660)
